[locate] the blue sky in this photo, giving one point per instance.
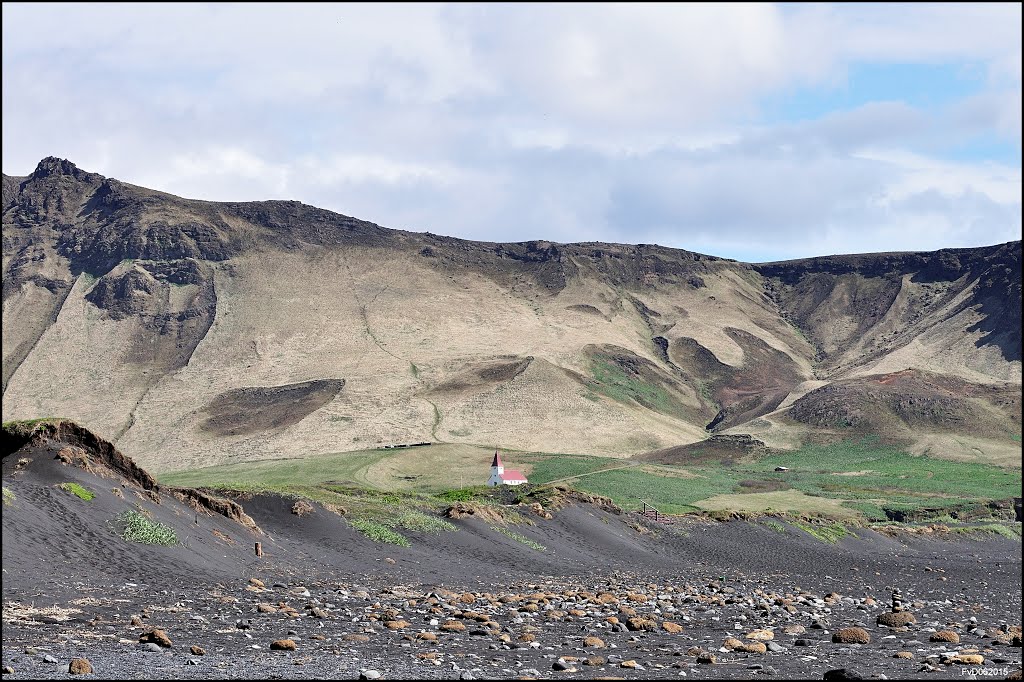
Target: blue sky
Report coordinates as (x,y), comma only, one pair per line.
(755,131)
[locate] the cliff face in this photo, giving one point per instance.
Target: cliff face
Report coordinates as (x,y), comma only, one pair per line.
(152,317)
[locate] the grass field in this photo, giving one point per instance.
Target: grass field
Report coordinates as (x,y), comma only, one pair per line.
(426,469)
(852,479)
(849,481)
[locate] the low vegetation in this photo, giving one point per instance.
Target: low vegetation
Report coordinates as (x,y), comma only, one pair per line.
(8,496)
(1011,532)
(615,383)
(378,532)
(418,522)
(26,427)
(519,537)
(78,491)
(830,533)
(858,481)
(134,526)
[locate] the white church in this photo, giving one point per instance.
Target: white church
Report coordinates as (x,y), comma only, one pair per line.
(501,477)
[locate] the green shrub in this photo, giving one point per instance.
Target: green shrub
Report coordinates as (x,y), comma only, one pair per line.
(776,526)
(8,496)
(78,490)
(1010,532)
(378,532)
(830,533)
(458,495)
(423,523)
(135,527)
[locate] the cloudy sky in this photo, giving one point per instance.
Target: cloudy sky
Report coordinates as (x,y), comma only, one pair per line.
(757,132)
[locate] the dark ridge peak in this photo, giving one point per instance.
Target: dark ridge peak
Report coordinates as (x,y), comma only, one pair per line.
(52,165)
(948,263)
(854,259)
(586,249)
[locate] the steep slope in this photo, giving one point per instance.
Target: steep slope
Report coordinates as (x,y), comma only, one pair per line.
(67,493)
(195,333)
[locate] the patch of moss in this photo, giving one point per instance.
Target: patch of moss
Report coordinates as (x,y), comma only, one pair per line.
(378,532)
(78,491)
(830,533)
(518,537)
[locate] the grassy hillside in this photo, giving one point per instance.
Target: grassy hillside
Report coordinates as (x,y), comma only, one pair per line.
(850,481)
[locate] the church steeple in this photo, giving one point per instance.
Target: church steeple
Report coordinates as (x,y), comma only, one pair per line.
(501,477)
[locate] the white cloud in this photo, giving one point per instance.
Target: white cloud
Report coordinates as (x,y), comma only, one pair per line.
(504,122)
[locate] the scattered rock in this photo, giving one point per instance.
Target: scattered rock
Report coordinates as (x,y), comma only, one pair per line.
(282,645)
(638,623)
(78,666)
(197,650)
(851,636)
(895,620)
(761,635)
(842,674)
(945,636)
(452,626)
(155,636)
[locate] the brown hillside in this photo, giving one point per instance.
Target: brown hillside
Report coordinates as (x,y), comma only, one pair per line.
(193,333)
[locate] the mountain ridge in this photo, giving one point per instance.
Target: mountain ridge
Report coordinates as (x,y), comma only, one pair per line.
(166,305)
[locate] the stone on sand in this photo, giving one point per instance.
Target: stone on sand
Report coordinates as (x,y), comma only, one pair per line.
(79,666)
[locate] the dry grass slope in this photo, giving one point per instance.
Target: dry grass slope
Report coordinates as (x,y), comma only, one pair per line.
(196,333)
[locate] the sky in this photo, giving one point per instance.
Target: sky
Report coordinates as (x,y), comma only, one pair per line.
(757,132)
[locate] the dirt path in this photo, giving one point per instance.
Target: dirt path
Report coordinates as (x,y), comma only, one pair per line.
(599,471)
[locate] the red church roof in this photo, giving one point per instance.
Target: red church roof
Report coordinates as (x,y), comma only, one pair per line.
(513,475)
(497,460)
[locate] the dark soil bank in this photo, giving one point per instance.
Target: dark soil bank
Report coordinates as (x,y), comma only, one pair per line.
(586,593)
(601,600)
